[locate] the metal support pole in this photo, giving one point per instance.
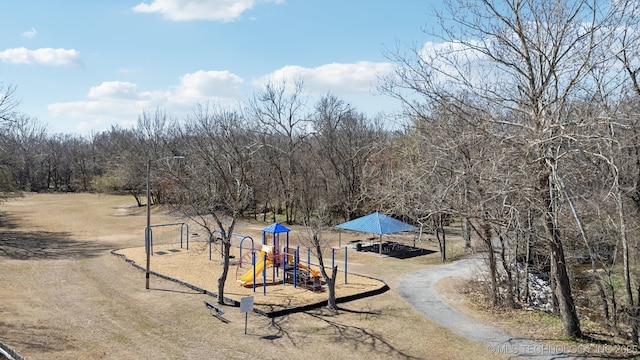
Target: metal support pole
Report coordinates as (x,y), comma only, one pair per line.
(187,239)
(333,259)
(295,267)
(264,275)
(345,264)
(147,232)
(253,263)
(148,229)
(285,257)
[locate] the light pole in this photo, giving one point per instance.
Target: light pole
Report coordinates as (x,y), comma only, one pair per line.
(147,231)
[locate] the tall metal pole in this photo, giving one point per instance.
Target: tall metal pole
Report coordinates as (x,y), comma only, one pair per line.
(147,233)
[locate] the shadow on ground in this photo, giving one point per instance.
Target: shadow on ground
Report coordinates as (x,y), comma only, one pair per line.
(42,245)
(360,336)
(51,341)
(394,249)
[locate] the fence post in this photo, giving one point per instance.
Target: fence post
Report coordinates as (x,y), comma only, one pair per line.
(345,264)
(253,263)
(264,275)
(333,259)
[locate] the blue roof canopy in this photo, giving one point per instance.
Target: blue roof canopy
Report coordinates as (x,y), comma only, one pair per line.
(275,228)
(377,223)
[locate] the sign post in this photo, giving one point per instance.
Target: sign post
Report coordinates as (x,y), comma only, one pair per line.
(246,306)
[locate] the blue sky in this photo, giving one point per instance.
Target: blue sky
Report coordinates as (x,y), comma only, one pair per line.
(82,66)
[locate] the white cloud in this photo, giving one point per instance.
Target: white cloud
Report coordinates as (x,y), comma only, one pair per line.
(355,78)
(111,102)
(114,90)
(122,102)
(30,33)
(43,56)
(208,84)
(187,10)
(86,127)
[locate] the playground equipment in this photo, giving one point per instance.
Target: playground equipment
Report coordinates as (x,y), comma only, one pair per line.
(301,275)
(219,235)
(184,231)
(265,260)
(287,264)
(280,260)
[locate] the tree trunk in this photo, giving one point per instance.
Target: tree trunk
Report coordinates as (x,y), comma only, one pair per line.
(264,211)
(567,309)
(510,301)
(614,301)
(442,240)
(570,320)
(493,269)
(466,233)
(552,286)
(527,258)
(627,271)
(329,280)
(225,270)
(136,196)
(331,286)
(551,193)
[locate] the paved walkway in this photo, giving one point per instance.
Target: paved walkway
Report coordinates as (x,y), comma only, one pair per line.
(419,290)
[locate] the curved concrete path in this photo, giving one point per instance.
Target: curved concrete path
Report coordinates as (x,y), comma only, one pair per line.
(419,290)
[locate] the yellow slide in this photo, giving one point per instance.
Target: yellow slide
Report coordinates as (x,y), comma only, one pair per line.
(247,278)
(313,272)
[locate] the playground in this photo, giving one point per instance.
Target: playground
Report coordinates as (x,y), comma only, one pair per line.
(281,281)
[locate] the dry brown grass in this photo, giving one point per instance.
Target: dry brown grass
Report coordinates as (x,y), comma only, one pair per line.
(536,325)
(65,296)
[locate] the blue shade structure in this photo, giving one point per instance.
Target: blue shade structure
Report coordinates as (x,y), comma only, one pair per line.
(377,223)
(275,229)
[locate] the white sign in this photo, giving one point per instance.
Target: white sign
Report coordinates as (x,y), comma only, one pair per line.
(246,304)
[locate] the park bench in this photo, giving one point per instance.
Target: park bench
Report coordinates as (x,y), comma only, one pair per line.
(215,311)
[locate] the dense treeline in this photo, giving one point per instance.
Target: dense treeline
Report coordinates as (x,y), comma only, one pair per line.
(525,126)
(295,159)
(526,131)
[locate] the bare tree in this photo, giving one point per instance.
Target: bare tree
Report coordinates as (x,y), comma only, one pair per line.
(126,162)
(23,141)
(212,186)
(152,135)
(283,129)
(522,62)
(315,224)
(8,104)
(344,141)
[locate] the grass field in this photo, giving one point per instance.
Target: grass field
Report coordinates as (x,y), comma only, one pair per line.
(65,296)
